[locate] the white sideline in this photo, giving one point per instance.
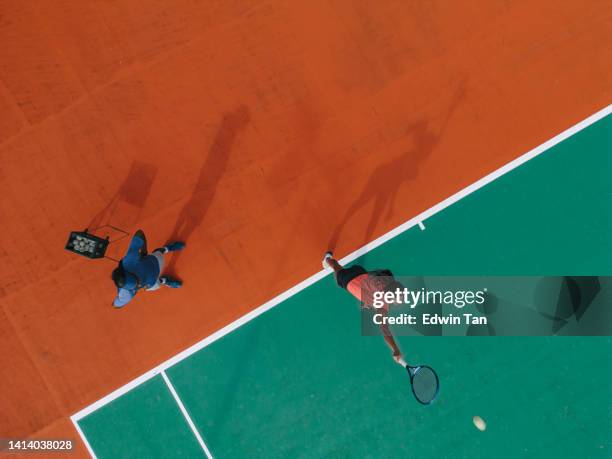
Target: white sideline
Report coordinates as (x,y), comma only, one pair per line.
(84,438)
(179,402)
(321,274)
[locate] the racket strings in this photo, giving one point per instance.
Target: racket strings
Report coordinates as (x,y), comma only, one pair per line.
(425,384)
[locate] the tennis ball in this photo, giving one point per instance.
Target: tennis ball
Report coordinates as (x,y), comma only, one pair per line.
(479,423)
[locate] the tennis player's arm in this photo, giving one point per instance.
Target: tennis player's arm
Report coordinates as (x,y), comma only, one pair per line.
(140,233)
(138,246)
(397,353)
(388,336)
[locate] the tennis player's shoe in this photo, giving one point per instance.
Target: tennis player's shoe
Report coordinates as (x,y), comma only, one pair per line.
(174,246)
(326,257)
(170,282)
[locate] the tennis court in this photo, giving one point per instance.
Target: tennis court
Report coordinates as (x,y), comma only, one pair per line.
(294,378)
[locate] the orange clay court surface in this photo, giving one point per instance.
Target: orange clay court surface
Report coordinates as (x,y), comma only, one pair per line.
(246,128)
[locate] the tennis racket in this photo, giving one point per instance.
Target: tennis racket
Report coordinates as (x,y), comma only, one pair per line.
(424,382)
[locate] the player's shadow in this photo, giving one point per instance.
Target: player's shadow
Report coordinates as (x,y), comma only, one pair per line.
(383,185)
(213,167)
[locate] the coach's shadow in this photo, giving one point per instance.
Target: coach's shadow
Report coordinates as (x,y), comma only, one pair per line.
(383,185)
(213,167)
(133,192)
(124,208)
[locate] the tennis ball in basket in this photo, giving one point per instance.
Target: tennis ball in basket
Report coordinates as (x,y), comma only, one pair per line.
(479,423)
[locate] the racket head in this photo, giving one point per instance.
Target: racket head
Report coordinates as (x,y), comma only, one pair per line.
(425,383)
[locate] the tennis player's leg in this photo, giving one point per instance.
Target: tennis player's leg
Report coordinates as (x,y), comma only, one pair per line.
(170,281)
(159,253)
(342,275)
(329,262)
(173,246)
(159,256)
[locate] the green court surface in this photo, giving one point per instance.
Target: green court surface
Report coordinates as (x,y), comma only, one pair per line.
(299,381)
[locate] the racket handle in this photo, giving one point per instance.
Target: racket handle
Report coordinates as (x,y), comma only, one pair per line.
(402,362)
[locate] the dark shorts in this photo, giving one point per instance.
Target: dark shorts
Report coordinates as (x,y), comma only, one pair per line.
(345,275)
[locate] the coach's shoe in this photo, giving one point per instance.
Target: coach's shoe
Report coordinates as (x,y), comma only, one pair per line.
(327,256)
(170,282)
(174,246)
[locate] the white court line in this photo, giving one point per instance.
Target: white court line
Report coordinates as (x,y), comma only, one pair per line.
(422,226)
(351,257)
(179,402)
(84,438)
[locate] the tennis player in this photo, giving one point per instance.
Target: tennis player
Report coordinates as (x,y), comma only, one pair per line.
(138,270)
(362,285)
